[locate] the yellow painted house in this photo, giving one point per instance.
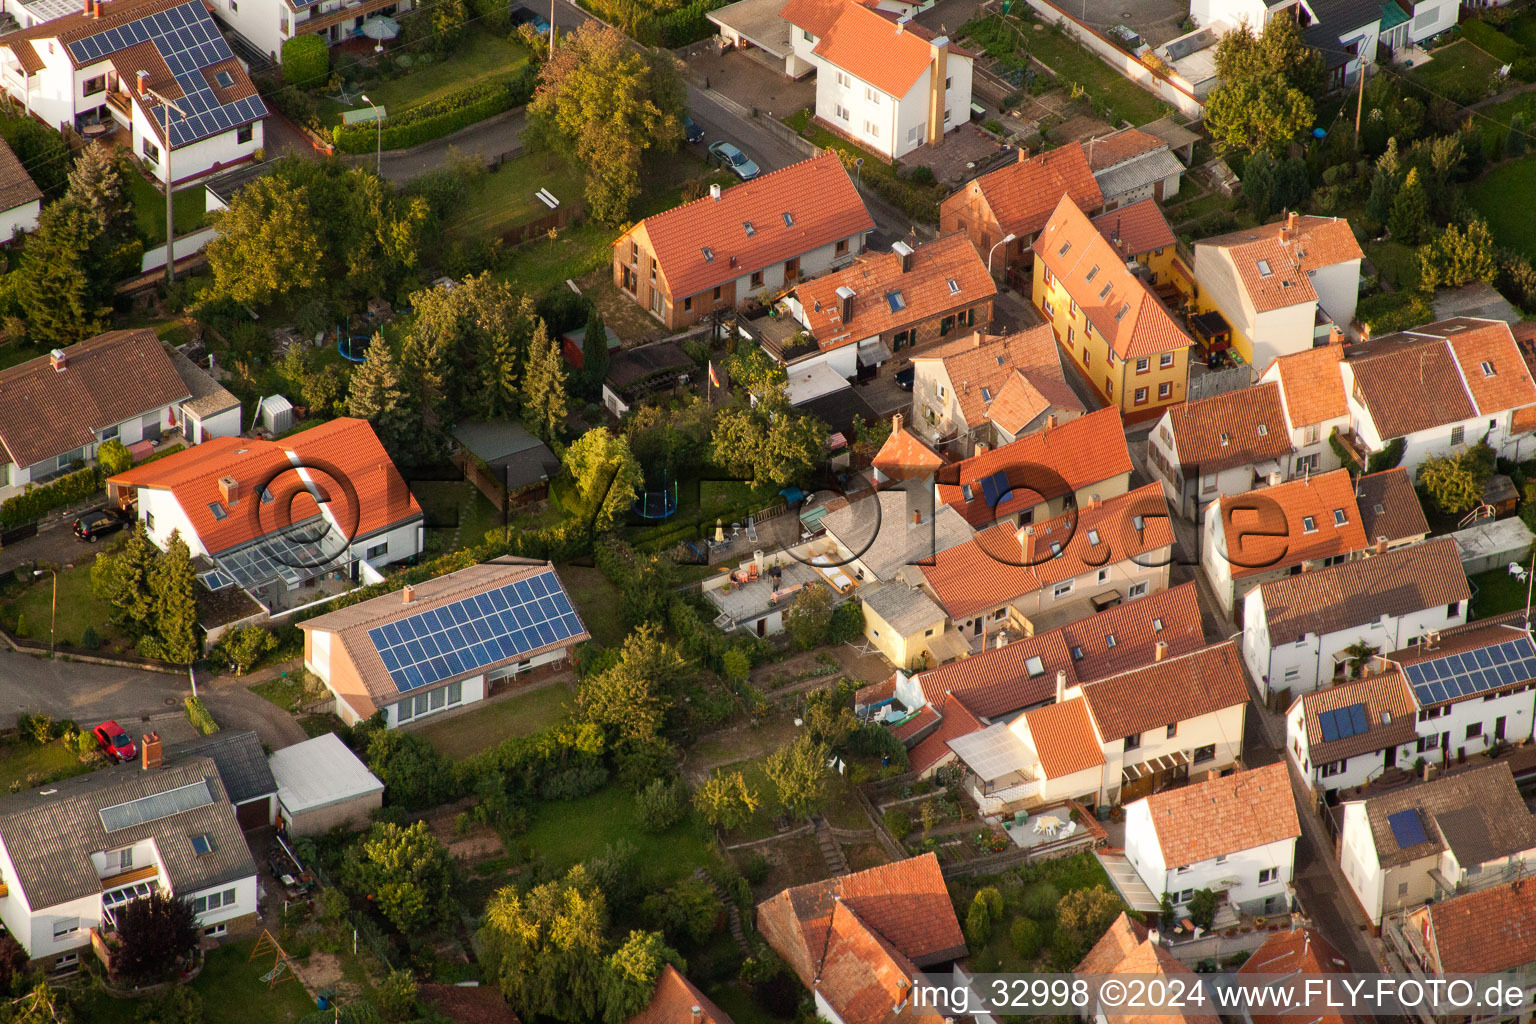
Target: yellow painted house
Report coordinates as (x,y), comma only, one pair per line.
(1105,316)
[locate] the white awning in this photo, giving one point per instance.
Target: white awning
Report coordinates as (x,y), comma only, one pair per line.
(993,753)
(872,352)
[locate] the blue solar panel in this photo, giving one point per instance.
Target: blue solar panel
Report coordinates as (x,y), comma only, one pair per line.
(1407,828)
(1329,727)
(1473,672)
(1357,719)
(469,635)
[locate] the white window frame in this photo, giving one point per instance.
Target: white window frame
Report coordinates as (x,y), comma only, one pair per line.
(1061,590)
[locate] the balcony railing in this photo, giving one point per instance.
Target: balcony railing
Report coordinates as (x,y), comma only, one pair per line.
(121,102)
(130,876)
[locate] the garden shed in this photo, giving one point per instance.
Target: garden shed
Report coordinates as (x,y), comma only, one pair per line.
(322,784)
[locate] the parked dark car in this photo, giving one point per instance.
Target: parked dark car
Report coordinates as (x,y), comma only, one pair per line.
(691,131)
(524,16)
(98,523)
(905,377)
(114,742)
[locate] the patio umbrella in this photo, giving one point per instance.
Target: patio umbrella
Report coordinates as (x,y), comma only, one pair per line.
(381,28)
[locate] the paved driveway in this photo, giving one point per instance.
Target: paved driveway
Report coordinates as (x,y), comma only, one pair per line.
(87,693)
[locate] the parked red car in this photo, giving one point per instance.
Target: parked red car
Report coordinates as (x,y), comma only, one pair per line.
(114,742)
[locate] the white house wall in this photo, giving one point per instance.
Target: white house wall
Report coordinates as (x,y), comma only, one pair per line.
(1432,17)
(1455,719)
(221,424)
(168,517)
(1347,772)
(198,158)
(245,901)
(1358,860)
(1338,290)
(37,931)
(1222,729)
(21,218)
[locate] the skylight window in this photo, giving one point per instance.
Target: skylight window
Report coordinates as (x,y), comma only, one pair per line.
(1157,625)
(789,219)
(1077,653)
(266,496)
(1263,430)
(966,492)
(1092,274)
(1488,370)
(1055,549)
(1126,308)
(746,226)
(709,255)
(986,394)
(1339,518)
(1034,666)
(1093,537)
(1065,247)
(225,79)
(202,844)
(1308,524)
(1110,641)
(1139,522)
(897,301)
(1225,438)
(1104,292)
(218,511)
(954,287)
(1264,270)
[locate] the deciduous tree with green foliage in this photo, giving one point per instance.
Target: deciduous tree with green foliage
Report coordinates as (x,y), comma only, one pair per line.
(113,457)
(244,647)
(611,104)
(1279,50)
(798,771)
(408,873)
(633,969)
(605,476)
(1458,256)
(808,618)
(1257,113)
(306,61)
(631,698)
(726,800)
(267,244)
(687,913)
(767,445)
(465,351)
(1454,483)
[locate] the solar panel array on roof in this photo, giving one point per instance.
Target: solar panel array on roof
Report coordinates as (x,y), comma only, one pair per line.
(188,41)
(995,488)
(478,631)
(153,808)
(1342,723)
(1472,672)
(1407,828)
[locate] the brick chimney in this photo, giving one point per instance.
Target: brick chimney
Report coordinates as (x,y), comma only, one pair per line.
(408,594)
(143,82)
(896,423)
(1289,231)
(149,748)
(57,360)
(845,303)
(229,490)
(1160,651)
(1050,421)
(1381,545)
(903,250)
(1027,542)
(938,73)
(917,517)
(696,1014)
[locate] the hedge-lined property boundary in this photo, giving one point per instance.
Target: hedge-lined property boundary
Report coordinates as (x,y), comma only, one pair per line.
(35,502)
(437,118)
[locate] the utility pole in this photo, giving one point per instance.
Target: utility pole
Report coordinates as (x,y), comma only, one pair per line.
(1360,102)
(145,89)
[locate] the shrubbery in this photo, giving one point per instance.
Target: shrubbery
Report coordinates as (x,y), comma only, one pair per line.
(436,118)
(306,61)
(1386,312)
(36,502)
(199,715)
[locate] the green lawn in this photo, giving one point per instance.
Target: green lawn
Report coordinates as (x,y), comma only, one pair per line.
(504,198)
(458,515)
(284,691)
(1494,121)
(1459,72)
(1496,592)
(1523,30)
(1506,196)
(1398,263)
(482,56)
(24,765)
(1075,65)
(78,605)
(462,735)
(597,601)
(233,992)
(149,209)
(567,832)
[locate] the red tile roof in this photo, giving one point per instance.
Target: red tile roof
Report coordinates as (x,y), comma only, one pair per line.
(477,1004)
(1023,195)
(1126,636)
(1225,815)
(904,455)
(816,194)
(873,49)
(1390,711)
(674,1002)
(816,16)
(1136,229)
(946,274)
(117,376)
(1126,949)
(1064,738)
(1172,690)
(1117,303)
(1506,382)
(981,367)
(906,903)
(1041,466)
(864,978)
(1118,147)
(1002,679)
(1408,384)
(1025,395)
(1289,523)
(1311,385)
(1288,256)
(1236,428)
(1485,932)
(1298,951)
(1389,506)
(957,721)
(1117,942)
(994,569)
(16,186)
(917,723)
(365,493)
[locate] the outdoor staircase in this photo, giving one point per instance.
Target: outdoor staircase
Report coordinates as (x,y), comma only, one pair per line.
(1127,882)
(830,851)
(732,912)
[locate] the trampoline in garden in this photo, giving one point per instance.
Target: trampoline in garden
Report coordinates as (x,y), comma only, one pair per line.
(354,348)
(657,504)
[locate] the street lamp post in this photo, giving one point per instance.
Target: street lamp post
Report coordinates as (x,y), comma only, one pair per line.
(1006,239)
(54,618)
(378,122)
(145,89)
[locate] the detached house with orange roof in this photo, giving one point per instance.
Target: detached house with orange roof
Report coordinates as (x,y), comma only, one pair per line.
(887,304)
(859,941)
(753,239)
(275,517)
(1281,287)
(1313,400)
(1284,530)
(105,62)
(1016,201)
(1106,317)
(1439,388)
(450,641)
(988,391)
(1492,932)
(678,1001)
(882,80)
(1235,835)
(1130,950)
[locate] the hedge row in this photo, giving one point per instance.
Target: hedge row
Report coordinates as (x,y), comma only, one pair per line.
(437,118)
(1394,311)
(198,715)
(36,502)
